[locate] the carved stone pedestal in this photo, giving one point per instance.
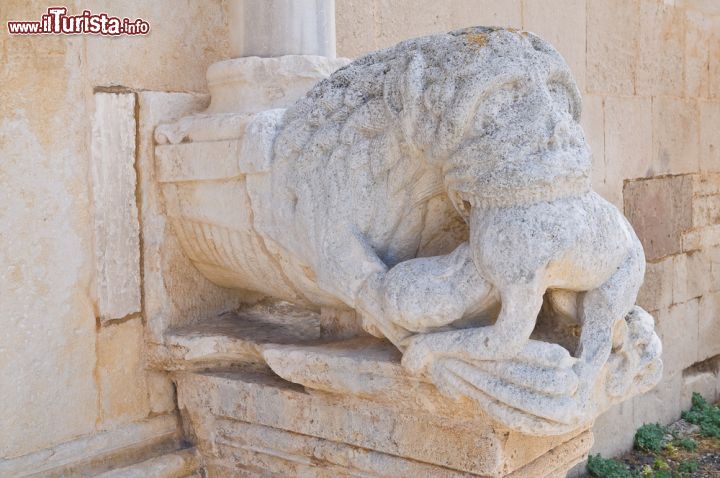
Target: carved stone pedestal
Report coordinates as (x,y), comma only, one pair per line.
(358,414)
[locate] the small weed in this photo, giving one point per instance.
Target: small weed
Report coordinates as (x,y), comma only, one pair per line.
(688,466)
(705,415)
(669,449)
(660,465)
(687,443)
(665,474)
(650,437)
(607,468)
(663,453)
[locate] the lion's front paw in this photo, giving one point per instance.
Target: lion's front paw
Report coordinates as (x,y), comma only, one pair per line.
(417,356)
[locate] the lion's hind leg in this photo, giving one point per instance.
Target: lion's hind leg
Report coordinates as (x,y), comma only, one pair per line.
(602,310)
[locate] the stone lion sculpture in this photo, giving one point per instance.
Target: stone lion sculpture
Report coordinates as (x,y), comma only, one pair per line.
(441,189)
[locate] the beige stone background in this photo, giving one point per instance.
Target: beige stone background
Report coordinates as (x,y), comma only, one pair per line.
(649,71)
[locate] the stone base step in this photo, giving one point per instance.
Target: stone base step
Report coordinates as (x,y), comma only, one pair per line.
(100,452)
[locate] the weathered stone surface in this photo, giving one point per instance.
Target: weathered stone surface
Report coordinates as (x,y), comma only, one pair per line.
(690,276)
(612,46)
(366,26)
(203,127)
(48,386)
(698,30)
(708,7)
(394,27)
(161,392)
(703,238)
(300,228)
(356,27)
(660,66)
(160,61)
(709,136)
(657,290)
(556,463)
(706,211)
(628,142)
(714,60)
(117,232)
(46,227)
(487,12)
(121,373)
(177,163)
(179,464)
(660,405)
(96,453)
(678,326)
(709,326)
(613,431)
(285,454)
(244,447)
(593,124)
(675,135)
(660,210)
(706,184)
(235,337)
(713,256)
(366,367)
(47,344)
(562,24)
(703,382)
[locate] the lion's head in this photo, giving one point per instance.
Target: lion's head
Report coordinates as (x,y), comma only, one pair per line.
(495,109)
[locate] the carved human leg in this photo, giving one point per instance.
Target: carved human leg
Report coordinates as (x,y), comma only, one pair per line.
(426,293)
(500,341)
(421,294)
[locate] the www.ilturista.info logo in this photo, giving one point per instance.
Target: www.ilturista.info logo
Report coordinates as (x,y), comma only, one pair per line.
(57,22)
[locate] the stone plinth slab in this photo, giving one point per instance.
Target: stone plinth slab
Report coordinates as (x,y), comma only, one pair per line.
(250,422)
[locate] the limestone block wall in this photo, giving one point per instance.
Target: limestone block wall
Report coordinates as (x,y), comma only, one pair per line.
(73,311)
(73,378)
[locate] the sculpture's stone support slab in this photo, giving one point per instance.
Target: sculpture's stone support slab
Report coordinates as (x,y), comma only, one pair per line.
(250,421)
(261,398)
